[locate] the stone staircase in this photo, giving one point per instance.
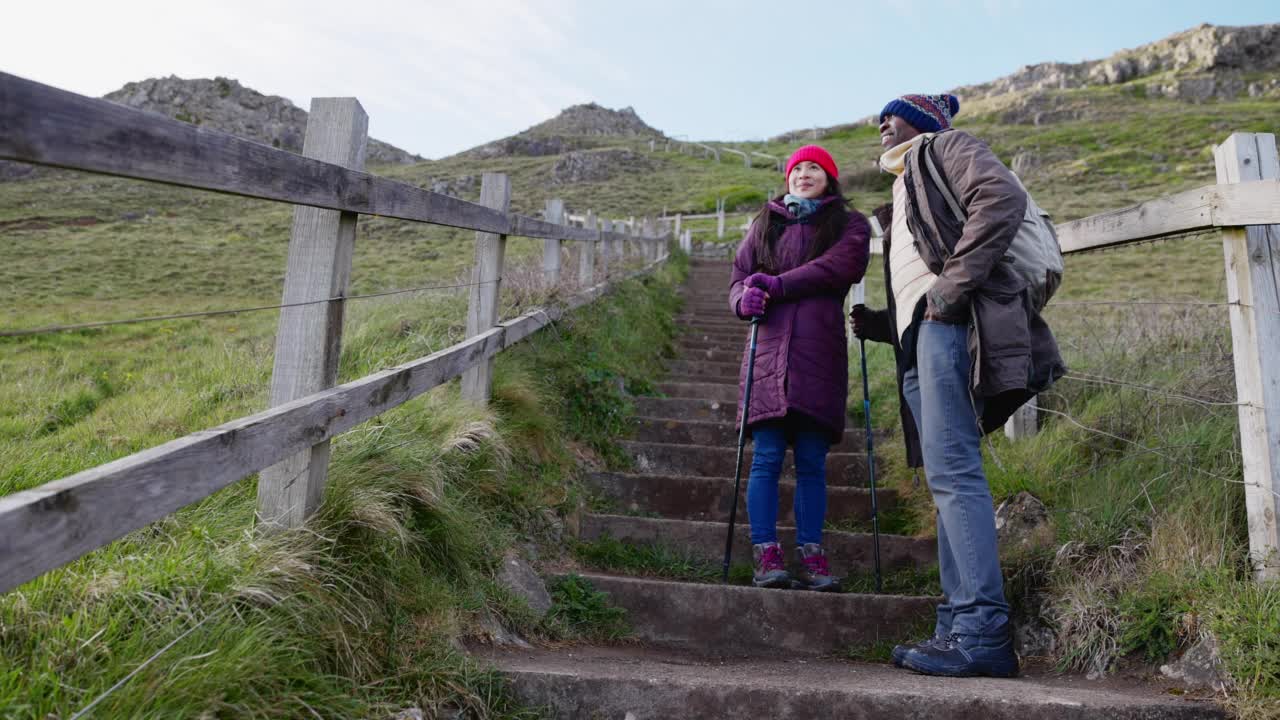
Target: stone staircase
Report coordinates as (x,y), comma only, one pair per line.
(704,650)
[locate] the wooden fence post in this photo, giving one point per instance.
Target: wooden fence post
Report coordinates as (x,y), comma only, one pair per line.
(603,248)
(720,217)
(1252,255)
(587,254)
(620,245)
(551,246)
(679,219)
(1024,422)
(309,338)
(486,279)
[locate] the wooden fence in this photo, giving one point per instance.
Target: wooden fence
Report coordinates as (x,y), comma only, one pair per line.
(1244,208)
(46,527)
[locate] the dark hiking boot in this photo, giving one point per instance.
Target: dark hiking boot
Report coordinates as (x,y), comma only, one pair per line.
(900,651)
(815,573)
(771,572)
(990,654)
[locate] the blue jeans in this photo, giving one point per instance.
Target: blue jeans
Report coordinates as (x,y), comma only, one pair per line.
(769,447)
(937,391)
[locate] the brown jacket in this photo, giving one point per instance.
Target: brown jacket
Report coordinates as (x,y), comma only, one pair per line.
(1014,354)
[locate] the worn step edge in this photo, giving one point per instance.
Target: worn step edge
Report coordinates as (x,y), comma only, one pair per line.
(843,468)
(649,684)
(680,409)
(682,378)
(725,434)
(684,386)
(847,552)
(696,367)
(725,620)
(688,497)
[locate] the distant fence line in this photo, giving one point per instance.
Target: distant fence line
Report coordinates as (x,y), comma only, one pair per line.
(58,522)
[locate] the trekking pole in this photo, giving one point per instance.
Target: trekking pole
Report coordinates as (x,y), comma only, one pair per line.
(859,300)
(742,442)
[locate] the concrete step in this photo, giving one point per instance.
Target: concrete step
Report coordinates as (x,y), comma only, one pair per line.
(843,468)
(730,335)
(704,368)
(653,684)
(702,380)
(724,434)
(685,320)
(722,353)
(710,331)
(686,409)
(718,311)
(847,552)
(689,497)
(686,348)
(682,386)
(718,305)
(727,620)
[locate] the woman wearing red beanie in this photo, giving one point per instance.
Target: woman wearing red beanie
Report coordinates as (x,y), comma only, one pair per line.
(793,269)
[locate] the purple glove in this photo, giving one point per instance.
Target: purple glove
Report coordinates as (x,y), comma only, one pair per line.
(752,303)
(771,284)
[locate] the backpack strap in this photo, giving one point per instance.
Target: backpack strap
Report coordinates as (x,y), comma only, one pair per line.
(943,186)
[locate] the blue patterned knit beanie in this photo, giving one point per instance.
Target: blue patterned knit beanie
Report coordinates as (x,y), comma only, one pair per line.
(926,113)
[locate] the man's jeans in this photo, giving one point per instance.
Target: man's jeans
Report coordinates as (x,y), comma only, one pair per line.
(937,391)
(769,447)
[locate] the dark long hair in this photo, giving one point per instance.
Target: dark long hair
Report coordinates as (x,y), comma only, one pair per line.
(766,228)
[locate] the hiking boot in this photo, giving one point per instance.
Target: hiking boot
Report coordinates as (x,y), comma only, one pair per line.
(815,573)
(770,570)
(990,654)
(900,651)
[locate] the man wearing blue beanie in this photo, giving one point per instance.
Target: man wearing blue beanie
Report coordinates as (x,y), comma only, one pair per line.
(971,348)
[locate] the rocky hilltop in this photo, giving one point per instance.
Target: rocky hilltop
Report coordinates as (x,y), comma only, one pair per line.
(575,128)
(1205,62)
(226,105)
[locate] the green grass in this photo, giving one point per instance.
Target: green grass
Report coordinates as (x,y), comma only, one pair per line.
(585,612)
(1148,513)
(357,614)
(647,560)
(881,649)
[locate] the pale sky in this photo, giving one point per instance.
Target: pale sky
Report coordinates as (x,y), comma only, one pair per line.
(438,76)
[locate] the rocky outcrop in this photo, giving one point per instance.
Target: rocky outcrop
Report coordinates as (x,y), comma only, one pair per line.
(598,165)
(578,127)
(225,105)
(1205,62)
(592,119)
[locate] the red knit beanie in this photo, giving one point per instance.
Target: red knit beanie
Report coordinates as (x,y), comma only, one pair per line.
(816,154)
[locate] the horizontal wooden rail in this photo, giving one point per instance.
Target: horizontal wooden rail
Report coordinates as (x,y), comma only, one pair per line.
(1212,206)
(43,125)
(58,522)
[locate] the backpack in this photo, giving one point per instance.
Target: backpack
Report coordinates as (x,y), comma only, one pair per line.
(1034,253)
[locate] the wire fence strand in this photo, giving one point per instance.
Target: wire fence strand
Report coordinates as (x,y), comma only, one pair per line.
(50,329)
(1100,380)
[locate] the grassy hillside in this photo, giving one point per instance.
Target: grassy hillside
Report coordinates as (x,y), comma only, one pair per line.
(360,614)
(1140,481)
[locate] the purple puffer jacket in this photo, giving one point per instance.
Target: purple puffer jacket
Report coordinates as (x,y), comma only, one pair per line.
(802,361)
